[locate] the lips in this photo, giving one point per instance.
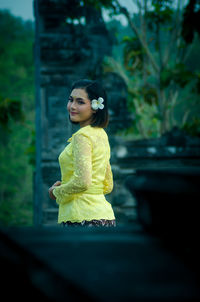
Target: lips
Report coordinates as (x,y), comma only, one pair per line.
(73,112)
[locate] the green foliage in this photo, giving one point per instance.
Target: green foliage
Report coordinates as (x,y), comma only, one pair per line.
(98,4)
(179,74)
(10,109)
(160,69)
(133,54)
(31,150)
(16,206)
(198,83)
(149,94)
(161,13)
(16,119)
(193,127)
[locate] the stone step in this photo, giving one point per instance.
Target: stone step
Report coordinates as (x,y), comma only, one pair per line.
(50,216)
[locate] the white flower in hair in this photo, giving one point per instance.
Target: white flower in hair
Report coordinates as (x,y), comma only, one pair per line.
(97,104)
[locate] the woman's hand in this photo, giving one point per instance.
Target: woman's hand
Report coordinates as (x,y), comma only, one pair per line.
(56,184)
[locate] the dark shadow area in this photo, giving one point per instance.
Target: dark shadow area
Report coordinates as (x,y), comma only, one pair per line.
(167,207)
(167,200)
(96,264)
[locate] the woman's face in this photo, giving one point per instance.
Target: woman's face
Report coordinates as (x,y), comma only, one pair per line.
(79,107)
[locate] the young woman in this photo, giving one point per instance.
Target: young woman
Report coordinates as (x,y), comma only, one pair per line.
(85,162)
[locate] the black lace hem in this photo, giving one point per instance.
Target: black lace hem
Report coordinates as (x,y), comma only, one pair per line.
(94,222)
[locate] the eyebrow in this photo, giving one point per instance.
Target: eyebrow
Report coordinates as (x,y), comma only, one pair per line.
(78,99)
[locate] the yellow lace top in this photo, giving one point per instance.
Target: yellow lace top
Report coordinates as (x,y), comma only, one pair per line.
(86,176)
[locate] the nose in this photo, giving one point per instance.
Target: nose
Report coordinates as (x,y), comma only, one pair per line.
(73,106)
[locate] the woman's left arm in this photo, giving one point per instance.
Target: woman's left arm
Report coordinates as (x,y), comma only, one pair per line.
(108,180)
(82,177)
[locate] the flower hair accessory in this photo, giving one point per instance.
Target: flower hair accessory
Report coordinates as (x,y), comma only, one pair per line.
(97,104)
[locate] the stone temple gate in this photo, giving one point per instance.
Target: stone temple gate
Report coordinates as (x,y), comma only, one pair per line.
(71,41)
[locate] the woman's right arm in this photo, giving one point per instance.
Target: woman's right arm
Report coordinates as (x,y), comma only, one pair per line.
(82,176)
(56,184)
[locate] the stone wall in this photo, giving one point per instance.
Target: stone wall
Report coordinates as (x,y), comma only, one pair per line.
(174,149)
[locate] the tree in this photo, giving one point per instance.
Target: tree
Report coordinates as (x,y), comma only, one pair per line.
(155,61)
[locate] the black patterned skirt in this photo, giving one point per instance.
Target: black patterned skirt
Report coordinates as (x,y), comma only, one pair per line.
(91,223)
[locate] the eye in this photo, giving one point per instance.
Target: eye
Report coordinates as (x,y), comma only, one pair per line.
(81,102)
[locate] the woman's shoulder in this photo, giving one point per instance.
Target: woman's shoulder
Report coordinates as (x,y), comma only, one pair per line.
(93,134)
(89,130)
(97,132)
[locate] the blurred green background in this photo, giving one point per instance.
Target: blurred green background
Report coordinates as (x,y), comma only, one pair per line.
(17,118)
(156,51)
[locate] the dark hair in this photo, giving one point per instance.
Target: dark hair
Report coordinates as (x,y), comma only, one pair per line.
(94,90)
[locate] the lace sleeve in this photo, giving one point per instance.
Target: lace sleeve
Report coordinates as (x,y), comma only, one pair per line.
(108,180)
(82,177)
